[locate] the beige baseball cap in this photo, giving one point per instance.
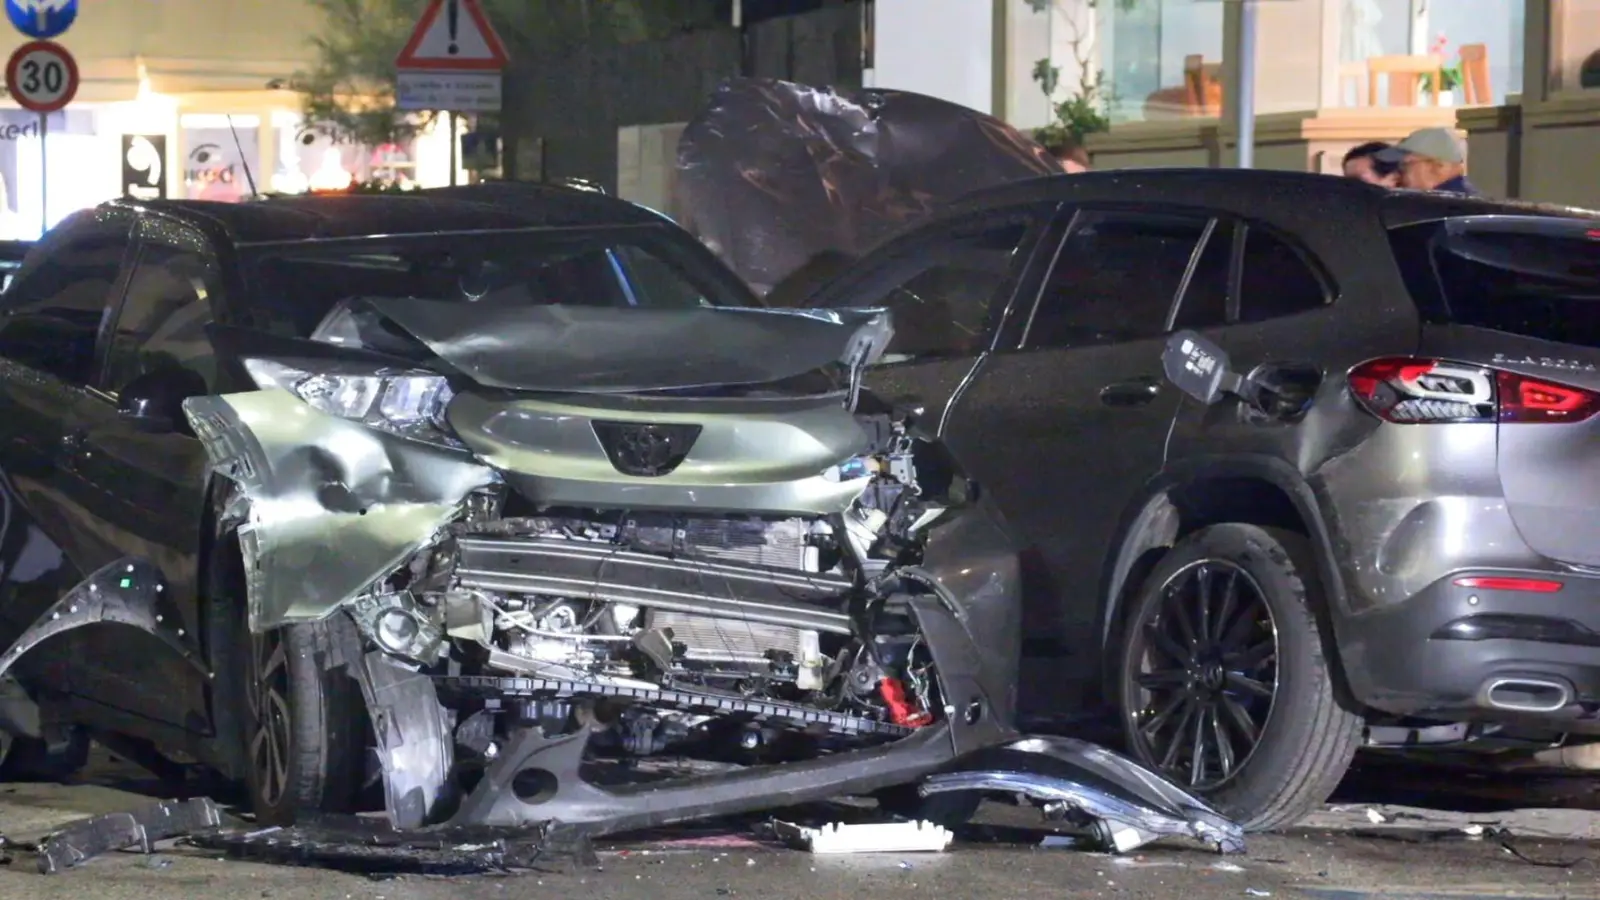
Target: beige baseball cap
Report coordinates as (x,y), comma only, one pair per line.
(1436,143)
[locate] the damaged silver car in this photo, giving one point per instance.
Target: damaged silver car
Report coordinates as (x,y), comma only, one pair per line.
(507,505)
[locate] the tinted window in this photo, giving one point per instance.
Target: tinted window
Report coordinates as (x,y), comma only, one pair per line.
(940,291)
(1538,285)
(1276,280)
(161,323)
(1115,278)
(1205,299)
(60,296)
(298,284)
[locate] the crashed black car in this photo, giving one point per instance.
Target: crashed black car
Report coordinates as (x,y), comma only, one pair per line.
(498,505)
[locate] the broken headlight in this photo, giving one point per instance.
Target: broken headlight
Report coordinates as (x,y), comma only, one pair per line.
(410,404)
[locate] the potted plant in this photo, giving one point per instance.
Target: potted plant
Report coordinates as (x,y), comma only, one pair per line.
(1449,74)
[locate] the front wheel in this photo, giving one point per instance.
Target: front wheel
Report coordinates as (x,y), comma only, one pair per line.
(302,721)
(1224,683)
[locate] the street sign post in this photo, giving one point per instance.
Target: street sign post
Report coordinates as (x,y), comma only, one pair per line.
(42,76)
(42,20)
(452,63)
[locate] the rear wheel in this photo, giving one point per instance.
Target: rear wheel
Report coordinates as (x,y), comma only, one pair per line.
(1224,683)
(301,719)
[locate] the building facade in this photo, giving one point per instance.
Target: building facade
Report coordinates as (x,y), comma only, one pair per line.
(183,98)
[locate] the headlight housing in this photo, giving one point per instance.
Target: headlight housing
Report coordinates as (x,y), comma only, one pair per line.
(409,403)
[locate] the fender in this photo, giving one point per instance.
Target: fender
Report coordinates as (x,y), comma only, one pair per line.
(129,592)
(1154,520)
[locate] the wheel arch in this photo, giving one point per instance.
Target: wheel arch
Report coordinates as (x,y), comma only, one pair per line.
(1196,493)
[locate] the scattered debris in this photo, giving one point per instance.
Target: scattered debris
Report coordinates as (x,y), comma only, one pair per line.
(1375,817)
(1225,866)
(889,837)
(1257,892)
(81,841)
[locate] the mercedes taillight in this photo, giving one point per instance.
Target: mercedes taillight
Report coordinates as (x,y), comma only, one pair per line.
(1420,391)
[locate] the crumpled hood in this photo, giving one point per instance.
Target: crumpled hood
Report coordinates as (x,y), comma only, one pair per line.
(774,175)
(608,350)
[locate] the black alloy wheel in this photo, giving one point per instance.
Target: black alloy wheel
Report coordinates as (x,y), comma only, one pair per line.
(271,741)
(1207,677)
(1228,677)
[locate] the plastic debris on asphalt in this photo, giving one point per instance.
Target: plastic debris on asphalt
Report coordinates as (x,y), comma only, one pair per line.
(888,837)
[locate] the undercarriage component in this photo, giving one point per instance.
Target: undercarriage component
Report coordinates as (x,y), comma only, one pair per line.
(559,567)
(841,723)
(1071,779)
(127,592)
(83,840)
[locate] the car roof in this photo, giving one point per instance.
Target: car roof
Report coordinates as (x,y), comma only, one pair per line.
(1264,193)
(496,205)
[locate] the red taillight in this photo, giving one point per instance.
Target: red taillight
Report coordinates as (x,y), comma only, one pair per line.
(1493,583)
(1413,391)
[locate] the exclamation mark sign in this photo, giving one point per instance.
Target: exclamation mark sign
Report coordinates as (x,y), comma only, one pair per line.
(452,20)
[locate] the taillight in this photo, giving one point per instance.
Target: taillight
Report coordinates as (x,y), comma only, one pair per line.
(1415,391)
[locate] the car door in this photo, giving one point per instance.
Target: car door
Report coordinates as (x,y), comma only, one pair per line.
(1065,426)
(53,315)
(145,474)
(947,287)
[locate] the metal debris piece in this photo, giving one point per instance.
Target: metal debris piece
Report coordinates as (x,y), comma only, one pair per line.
(884,837)
(85,839)
(371,847)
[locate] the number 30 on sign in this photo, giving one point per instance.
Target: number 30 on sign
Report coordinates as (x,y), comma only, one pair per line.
(42,76)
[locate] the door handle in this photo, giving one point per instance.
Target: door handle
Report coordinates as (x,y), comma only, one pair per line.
(1133,392)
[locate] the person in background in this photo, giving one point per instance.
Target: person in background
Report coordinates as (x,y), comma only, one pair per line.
(1430,159)
(1072,157)
(1361,163)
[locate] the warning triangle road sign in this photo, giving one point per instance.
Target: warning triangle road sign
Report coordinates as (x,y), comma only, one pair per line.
(453,35)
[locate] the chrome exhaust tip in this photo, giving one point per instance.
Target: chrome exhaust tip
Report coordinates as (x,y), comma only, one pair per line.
(1527,695)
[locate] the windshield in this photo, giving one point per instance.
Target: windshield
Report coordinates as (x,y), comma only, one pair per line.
(298,283)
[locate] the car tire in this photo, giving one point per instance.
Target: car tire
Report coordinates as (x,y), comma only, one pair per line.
(301,719)
(948,810)
(1306,736)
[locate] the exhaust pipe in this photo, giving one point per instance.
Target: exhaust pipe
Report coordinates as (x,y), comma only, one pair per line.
(1526,695)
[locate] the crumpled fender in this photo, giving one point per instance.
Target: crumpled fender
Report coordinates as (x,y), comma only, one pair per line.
(1133,804)
(329,505)
(129,592)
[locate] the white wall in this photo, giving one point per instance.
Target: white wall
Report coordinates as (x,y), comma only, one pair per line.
(943,48)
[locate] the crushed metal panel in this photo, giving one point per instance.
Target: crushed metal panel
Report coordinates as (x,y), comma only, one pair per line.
(128,592)
(332,504)
(415,747)
(1132,805)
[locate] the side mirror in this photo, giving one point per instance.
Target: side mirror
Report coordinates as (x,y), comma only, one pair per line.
(153,402)
(1199,368)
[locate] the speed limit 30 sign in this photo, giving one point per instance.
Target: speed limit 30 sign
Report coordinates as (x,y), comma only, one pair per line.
(42,76)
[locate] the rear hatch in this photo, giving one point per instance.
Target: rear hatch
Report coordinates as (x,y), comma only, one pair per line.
(1520,295)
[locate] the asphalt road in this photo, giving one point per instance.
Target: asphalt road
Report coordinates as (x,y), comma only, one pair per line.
(1341,855)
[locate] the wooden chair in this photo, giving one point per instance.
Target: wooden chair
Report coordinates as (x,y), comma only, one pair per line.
(1202,85)
(1352,75)
(1405,78)
(1475,75)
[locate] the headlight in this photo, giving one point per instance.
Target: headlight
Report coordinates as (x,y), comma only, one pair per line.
(410,404)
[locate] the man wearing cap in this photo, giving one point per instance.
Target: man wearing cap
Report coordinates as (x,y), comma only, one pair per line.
(1430,159)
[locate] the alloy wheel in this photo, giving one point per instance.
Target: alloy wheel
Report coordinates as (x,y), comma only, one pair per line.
(1204,677)
(270,740)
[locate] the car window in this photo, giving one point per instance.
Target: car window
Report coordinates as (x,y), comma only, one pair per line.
(60,296)
(1114,278)
(940,290)
(1205,298)
(1275,280)
(1539,280)
(161,322)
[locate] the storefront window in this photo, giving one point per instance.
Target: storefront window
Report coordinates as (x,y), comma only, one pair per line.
(1389,50)
(309,160)
(1162,58)
(79,171)
(1575,45)
(221,155)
